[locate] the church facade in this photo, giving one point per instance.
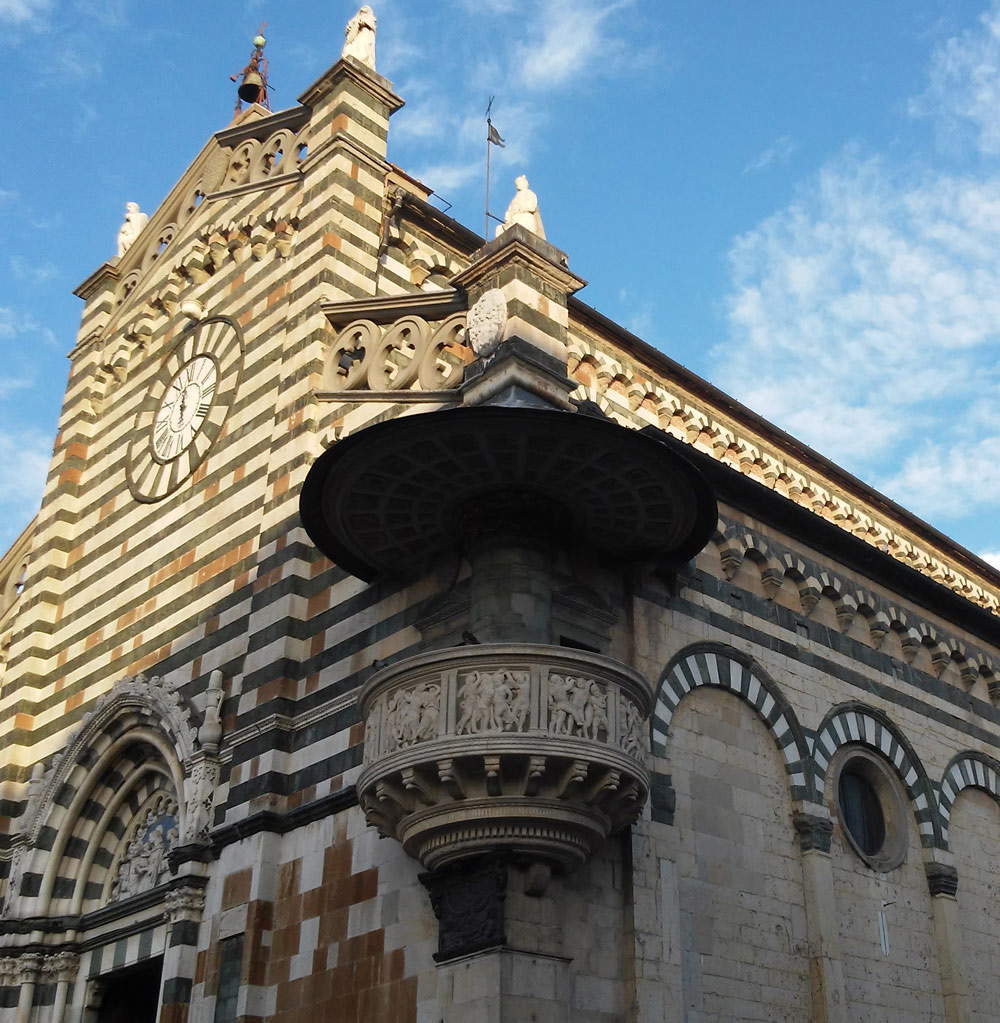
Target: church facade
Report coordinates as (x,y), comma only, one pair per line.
(400,639)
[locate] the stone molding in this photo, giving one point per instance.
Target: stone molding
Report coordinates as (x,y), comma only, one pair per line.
(942,879)
(814,832)
(536,749)
(633,396)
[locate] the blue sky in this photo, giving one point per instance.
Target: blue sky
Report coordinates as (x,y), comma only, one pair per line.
(799,200)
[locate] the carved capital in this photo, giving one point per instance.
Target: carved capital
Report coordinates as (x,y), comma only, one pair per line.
(28,967)
(61,968)
(468,901)
(814,831)
(184,904)
(942,879)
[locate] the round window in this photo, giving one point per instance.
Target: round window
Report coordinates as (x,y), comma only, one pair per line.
(872,808)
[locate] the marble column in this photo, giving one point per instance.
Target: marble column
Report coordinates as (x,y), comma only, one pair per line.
(28,967)
(942,881)
(814,828)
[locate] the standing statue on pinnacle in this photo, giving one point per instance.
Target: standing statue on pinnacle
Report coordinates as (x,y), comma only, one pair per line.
(359,37)
(523,210)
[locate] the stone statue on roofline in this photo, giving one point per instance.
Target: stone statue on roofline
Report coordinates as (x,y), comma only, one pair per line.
(359,37)
(135,220)
(523,210)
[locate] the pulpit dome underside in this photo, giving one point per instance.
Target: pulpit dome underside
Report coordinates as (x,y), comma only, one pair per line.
(388,499)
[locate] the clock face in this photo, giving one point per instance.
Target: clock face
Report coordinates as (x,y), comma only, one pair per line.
(185,408)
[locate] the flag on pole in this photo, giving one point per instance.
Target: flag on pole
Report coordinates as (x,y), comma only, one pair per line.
(492,135)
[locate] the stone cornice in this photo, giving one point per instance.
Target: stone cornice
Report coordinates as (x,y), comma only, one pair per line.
(96,281)
(431,305)
(293,117)
(517,244)
(355,71)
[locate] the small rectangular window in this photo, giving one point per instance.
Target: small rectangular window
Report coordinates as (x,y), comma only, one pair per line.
(230,967)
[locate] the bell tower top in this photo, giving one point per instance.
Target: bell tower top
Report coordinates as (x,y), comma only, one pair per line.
(253,78)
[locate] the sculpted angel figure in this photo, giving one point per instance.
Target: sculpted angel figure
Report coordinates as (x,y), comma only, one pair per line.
(523,210)
(359,37)
(135,220)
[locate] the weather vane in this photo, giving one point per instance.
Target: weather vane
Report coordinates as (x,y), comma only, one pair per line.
(253,87)
(493,138)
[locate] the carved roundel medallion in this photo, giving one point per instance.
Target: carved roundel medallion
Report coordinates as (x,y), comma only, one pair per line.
(185,409)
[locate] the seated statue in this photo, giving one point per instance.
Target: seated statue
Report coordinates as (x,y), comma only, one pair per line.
(523,210)
(135,221)
(359,37)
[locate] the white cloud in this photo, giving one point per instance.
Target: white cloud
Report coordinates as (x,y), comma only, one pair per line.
(533,48)
(954,479)
(864,317)
(17,327)
(566,37)
(991,557)
(24,12)
(33,273)
(74,58)
(779,152)
(24,464)
(449,177)
(963,95)
(109,13)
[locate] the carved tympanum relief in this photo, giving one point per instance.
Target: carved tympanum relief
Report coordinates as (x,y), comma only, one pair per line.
(143,864)
(577,706)
(493,701)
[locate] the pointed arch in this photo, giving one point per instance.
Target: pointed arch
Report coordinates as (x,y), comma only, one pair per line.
(856,723)
(713,664)
(966,770)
